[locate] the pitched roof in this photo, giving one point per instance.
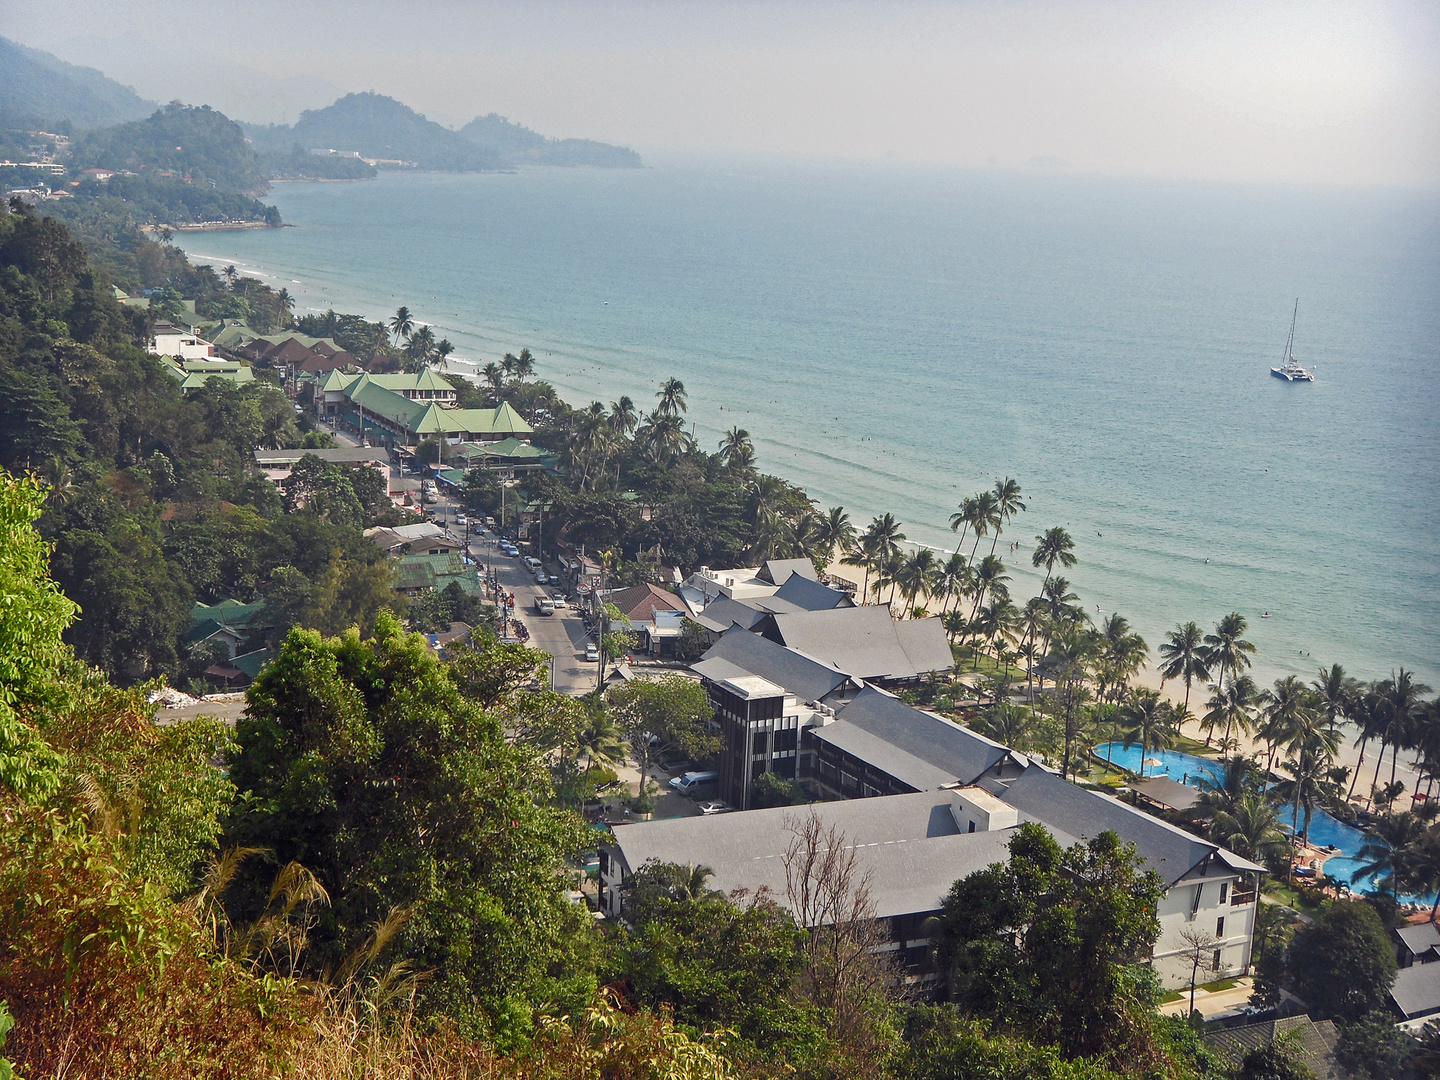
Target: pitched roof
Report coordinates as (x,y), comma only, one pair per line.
(250,663)
(917,748)
(746,653)
(1416,991)
(340,455)
(863,641)
(1084,814)
(640,602)
(1316,1043)
(1419,938)
(722,613)
(227,612)
(1169,793)
(810,595)
(779,571)
(909,844)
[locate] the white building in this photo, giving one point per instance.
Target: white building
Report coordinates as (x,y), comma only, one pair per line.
(170,340)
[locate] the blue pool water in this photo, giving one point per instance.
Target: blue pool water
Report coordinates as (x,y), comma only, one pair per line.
(1325,831)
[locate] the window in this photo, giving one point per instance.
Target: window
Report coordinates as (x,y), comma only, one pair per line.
(1224,891)
(1215,961)
(972,827)
(1220,927)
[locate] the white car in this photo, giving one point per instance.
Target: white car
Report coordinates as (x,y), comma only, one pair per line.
(592,653)
(708,808)
(461,520)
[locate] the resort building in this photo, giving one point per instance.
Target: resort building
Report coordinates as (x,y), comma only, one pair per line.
(409,408)
(167,339)
(192,375)
(656,617)
(422,538)
(913,847)
(277,464)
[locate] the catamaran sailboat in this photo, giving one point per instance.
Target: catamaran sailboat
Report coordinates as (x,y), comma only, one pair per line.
(1290,370)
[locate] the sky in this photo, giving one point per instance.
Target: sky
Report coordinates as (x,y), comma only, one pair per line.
(1318,92)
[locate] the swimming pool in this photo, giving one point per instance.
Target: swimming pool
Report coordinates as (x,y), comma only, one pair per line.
(1325,831)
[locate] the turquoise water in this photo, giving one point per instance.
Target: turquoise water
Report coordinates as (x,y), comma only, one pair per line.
(894,338)
(1325,831)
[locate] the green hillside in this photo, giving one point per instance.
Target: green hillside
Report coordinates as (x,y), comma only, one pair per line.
(378,127)
(36,87)
(517,145)
(189,141)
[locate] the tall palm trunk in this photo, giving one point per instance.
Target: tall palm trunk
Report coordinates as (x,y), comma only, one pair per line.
(1356,778)
(1375,780)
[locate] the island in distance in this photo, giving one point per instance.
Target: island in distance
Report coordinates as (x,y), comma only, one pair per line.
(385,130)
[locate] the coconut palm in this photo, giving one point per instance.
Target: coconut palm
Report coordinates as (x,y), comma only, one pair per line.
(523,366)
(494,375)
(1146,719)
(1226,649)
(990,577)
(419,348)
(1310,783)
(623,417)
(1402,707)
(443,349)
(1008,724)
(986,517)
(672,398)
(736,450)
(1240,779)
(600,742)
(1122,653)
(964,518)
(1007,505)
(836,534)
(1289,719)
(1369,716)
(402,324)
(663,438)
(868,553)
(999,624)
(1251,829)
(1396,854)
(1068,665)
(1183,656)
(955,580)
(1234,707)
(1335,695)
(917,574)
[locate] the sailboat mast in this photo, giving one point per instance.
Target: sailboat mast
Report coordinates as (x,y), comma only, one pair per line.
(1290,341)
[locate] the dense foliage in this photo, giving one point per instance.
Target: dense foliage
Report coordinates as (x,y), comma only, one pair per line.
(187,141)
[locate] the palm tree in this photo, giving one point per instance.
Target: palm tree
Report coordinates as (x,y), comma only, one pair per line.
(955,580)
(1240,779)
(736,450)
(523,366)
(1226,649)
(1335,695)
(1233,707)
(1370,717)
(917,573)
(600,742)
(402,325)
(998,623)
(419,348)
(964,518)
(1007,505)
(443,349)
(1309,782)
(868,553)
(1402,707)
(1008,724)
(672,398)
(230,274)
(1068,665)
(623,416)
(990,577)
(986,517)
(1183,656)
(836,534)
(1251,829)
(1146,720)
(1289,720)
(1122,653)
(663,438)
(1396,853)
(286,302)
(494,374)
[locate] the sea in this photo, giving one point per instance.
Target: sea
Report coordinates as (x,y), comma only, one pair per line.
(896,337)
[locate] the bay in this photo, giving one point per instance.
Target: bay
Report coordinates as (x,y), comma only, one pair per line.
(897,337)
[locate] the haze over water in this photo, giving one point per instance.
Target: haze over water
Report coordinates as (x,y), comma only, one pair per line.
(895,338)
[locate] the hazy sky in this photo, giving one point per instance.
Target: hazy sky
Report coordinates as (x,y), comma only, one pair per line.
(1308,92)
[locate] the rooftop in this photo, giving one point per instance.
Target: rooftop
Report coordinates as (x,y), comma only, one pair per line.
(739,651)
(1416,991)
(864,641)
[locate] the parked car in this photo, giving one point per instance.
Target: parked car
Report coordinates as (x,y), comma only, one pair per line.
(688,782)
(708,808)
(540,578)
(560,602)
(460,519)
(592,652)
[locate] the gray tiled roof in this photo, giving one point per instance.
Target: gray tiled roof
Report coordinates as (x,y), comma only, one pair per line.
(1316,1043)
(917,748)
(1417,990)
(1168,792)
(925,643)
(809,595)
(808,680)
(722,613)
(779,571)
(1420,938)
(908,844)
(860,640)
(1169,851)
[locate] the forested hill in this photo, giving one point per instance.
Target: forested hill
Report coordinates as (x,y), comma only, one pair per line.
(40,88)
(378,127)
(193,142)
(518,144)
(381,127)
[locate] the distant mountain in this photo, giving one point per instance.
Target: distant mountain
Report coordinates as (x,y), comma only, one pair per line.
(39,88)
(519,145)
(378,127)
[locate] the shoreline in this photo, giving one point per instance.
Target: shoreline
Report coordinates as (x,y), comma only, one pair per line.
(608,375)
